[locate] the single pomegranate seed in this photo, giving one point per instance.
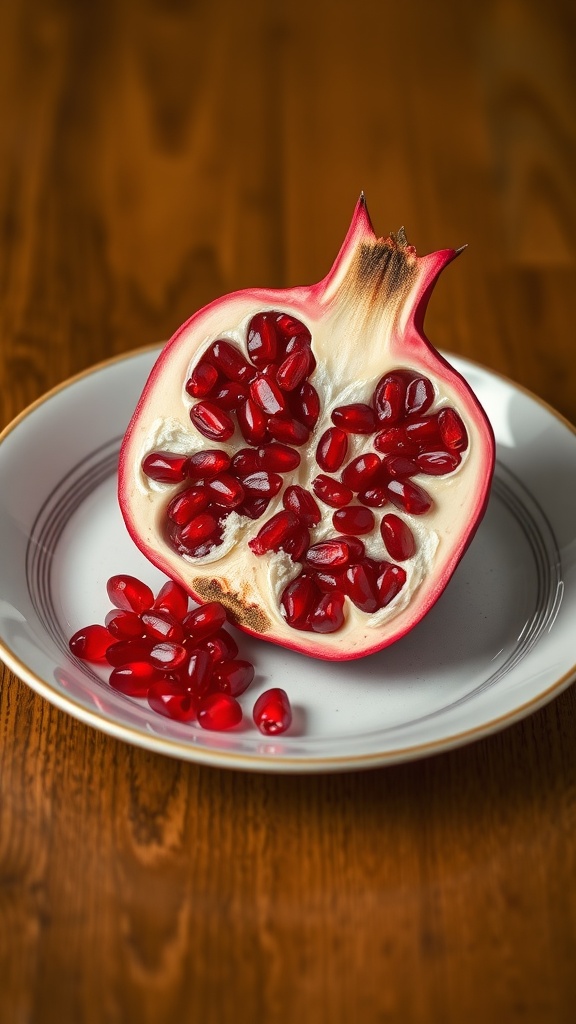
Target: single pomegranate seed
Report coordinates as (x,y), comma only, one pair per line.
(201,528)
(357,418)
(398,537)
(262,484)
(332,449)
(374,497)
(208,463)
(290,327)
(219,711)
(165,467)
(298,599)
(129,593)
(205,621)
(211,421)
(419,396)
(452,430)
(198,674)
(202,379)
(400,466)
(361,472)
(297,543)
(272,712)
(360,586)
(127,651)
(135,678)
(305,404)
(230,396)
(253,508)
(246,461)
(279,457)
(262,341)
(168,698)
(331,491)
(394,441)
(389,396)
(409,497)
(233,676)
(168,656)
(220,647)
(424,431)
(355,547)
(288,431)
(438,463)
(171,598)
(293,370)
(302,504)
(330,579)
(328,554)
(389,583)
(267,395)
(225,490)
(187,504)
(162,626)
(252,422)
(272,535)
(124,625)
(354,519)
(230,361)
(91,643)
(328,616)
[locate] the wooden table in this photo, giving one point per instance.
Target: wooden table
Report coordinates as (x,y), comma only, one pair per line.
(154,156)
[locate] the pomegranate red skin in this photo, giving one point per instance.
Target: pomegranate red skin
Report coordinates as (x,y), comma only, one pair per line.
(309,305)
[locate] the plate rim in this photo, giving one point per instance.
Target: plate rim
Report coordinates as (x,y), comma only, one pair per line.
(268,761)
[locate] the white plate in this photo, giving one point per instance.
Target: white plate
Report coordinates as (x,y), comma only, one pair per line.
(498,644)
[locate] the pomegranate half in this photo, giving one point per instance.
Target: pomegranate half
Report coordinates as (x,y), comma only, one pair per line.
(307,458)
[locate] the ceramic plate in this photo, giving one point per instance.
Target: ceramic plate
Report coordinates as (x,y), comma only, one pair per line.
(498,644)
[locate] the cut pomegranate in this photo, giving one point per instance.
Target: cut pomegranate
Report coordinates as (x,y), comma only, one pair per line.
(303,420)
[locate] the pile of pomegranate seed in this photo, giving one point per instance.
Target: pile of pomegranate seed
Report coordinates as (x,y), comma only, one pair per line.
(269,402)
(184,663)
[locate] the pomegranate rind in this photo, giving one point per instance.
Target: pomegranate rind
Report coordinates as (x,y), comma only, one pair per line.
(376,293)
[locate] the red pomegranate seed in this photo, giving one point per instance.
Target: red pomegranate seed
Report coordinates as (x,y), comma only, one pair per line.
(204,621)
(272,713)
(168,656)
(202,379)
(452,430)
(219,711)
(135,678)
(197,676)
(246,461)
(267,395)
(168,698)
(302,504)
(328,616)
(162,626)
(187,504)
(305,404)
(374,497)
(332,449)
(394,441)
(129,593)
(425,430)
(389,396)
(297,543)
(91,643)
(391,579)
(279,457)
(331,491)
(230,361)
(262,484)
(165,467)
(252,422)
(253,508)
(438,463)
(409,497)
(298,599)
(272,535)
(398,537)
(201,528)
(355,547)
(211,421)
(328,554)
(225,490)
(288,431)
(330,579)
(262,341)
(208,463)
(400,466)
(354,519)
(419,396)
(357,418)
(230,396)
(290,327)
(361,472)
(360,586)
(171,598)
(293,370)
(233,677)
(124,625)
(220,647)
(127,651)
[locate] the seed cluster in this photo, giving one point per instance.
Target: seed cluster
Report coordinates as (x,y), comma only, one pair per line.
(275,407)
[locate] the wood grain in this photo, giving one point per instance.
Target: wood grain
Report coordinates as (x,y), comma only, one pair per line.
(154,155)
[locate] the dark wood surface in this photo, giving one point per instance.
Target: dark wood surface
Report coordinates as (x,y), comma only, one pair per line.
(153,156)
